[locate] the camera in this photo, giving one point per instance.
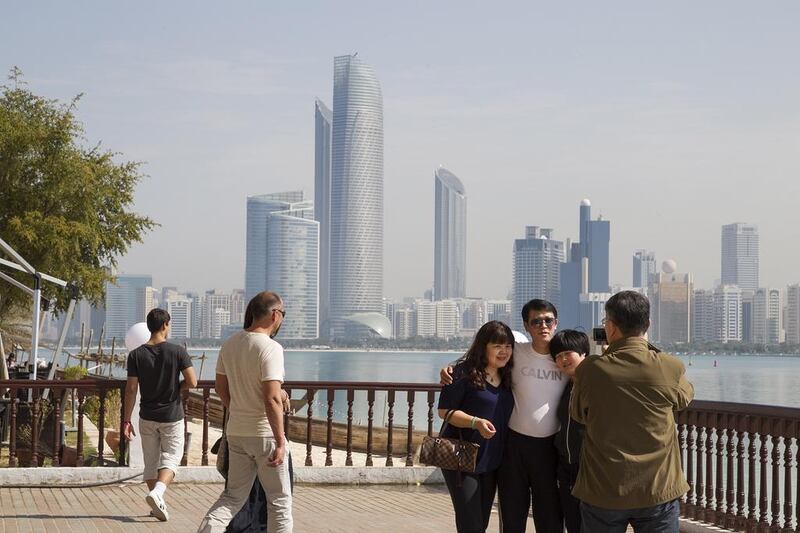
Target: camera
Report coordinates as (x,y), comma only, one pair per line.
(599,335)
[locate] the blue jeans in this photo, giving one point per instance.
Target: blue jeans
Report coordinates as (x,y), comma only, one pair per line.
(662,518)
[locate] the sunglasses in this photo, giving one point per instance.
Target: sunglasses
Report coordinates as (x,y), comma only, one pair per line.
(281,311)
(548,321)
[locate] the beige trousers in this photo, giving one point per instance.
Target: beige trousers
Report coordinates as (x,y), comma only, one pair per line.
(247,458)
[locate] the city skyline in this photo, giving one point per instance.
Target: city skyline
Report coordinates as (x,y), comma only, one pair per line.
(219,119)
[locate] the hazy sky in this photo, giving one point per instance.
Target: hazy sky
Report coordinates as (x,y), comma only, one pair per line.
(672,118)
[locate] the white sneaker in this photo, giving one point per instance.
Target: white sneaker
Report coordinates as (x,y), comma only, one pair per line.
(158,506)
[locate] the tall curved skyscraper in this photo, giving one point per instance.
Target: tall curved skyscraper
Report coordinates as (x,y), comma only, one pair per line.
(356,215)
(450,240)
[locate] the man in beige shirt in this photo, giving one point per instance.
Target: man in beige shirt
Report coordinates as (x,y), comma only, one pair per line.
(249,376)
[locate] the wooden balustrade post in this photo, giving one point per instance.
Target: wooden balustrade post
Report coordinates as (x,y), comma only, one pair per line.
(101,429)
(309,413)
(370,406)
(390,400)
(690,472)
(35,429)
(752,504)
(777,439)
(79,451)
(12,446)
(351,395)
(723,505)
(763,433)
(729,494)
(286,414)
(702,437)
(711,430)
(682,432)
(787,478)
(741,518)
(329,435)
(56,427)
(185,406)
(123,442)
(410,442)
(431,397)
(206,396)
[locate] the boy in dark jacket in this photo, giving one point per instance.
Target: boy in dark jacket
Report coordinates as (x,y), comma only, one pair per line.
(569,348)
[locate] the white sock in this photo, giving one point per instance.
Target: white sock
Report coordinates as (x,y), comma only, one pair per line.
(160,488)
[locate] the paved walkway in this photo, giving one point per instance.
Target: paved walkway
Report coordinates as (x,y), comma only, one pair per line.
(317,509)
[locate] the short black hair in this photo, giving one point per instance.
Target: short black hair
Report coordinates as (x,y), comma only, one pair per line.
(630,311)
(156,319)
(569,340)
(537,305)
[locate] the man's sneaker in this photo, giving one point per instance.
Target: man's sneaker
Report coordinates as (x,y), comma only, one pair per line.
(159,508)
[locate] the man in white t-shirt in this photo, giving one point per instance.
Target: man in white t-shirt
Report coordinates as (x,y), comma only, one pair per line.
(249,376)
(527,474)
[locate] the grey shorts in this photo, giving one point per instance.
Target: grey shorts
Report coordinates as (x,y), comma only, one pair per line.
(162,446)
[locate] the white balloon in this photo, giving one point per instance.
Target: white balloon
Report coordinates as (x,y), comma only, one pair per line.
(137,335)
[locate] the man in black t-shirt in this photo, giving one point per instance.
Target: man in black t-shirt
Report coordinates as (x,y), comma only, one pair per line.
(154,369)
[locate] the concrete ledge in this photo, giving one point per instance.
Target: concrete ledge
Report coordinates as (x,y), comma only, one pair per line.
(692,526)
(321,475)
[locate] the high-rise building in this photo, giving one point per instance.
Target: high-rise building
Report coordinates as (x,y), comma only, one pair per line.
(740,256)
(448,319)
(644,267)
(537,260)
(283,257)
(404,324)
(767,316)
(702,316)
(216,312)
(450,236)
(151,300)
(426,318)
(592,309)
(499,310)
(577,278)
(179,308)
(356,214)
(599,232)
(238,306)
(198,319)
(793,314)
(259,209)
(728,313)
(323,121)
(293,268)
(126,300)
(670,305)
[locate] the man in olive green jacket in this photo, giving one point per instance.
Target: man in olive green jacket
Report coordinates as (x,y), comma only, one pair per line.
(630,469)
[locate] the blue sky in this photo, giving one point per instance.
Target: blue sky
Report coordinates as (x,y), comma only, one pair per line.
(673,118)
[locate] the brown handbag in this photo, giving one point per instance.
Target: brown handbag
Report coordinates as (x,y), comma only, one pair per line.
(448,453)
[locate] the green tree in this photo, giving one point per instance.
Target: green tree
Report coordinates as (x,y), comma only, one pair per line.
(65,207)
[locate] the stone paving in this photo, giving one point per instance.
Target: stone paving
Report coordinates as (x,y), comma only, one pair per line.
(317,509)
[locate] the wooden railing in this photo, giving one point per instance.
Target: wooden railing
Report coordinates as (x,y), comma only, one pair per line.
(740,462)
(28,397)
(739,459)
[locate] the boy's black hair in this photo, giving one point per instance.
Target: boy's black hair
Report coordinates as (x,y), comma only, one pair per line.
(569,340)
(156,319)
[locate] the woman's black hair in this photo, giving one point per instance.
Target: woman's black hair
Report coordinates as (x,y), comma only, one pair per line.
(473,363)
(569,340)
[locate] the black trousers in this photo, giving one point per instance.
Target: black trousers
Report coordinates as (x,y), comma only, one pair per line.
(527,477)
(472,499)
(570,505)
